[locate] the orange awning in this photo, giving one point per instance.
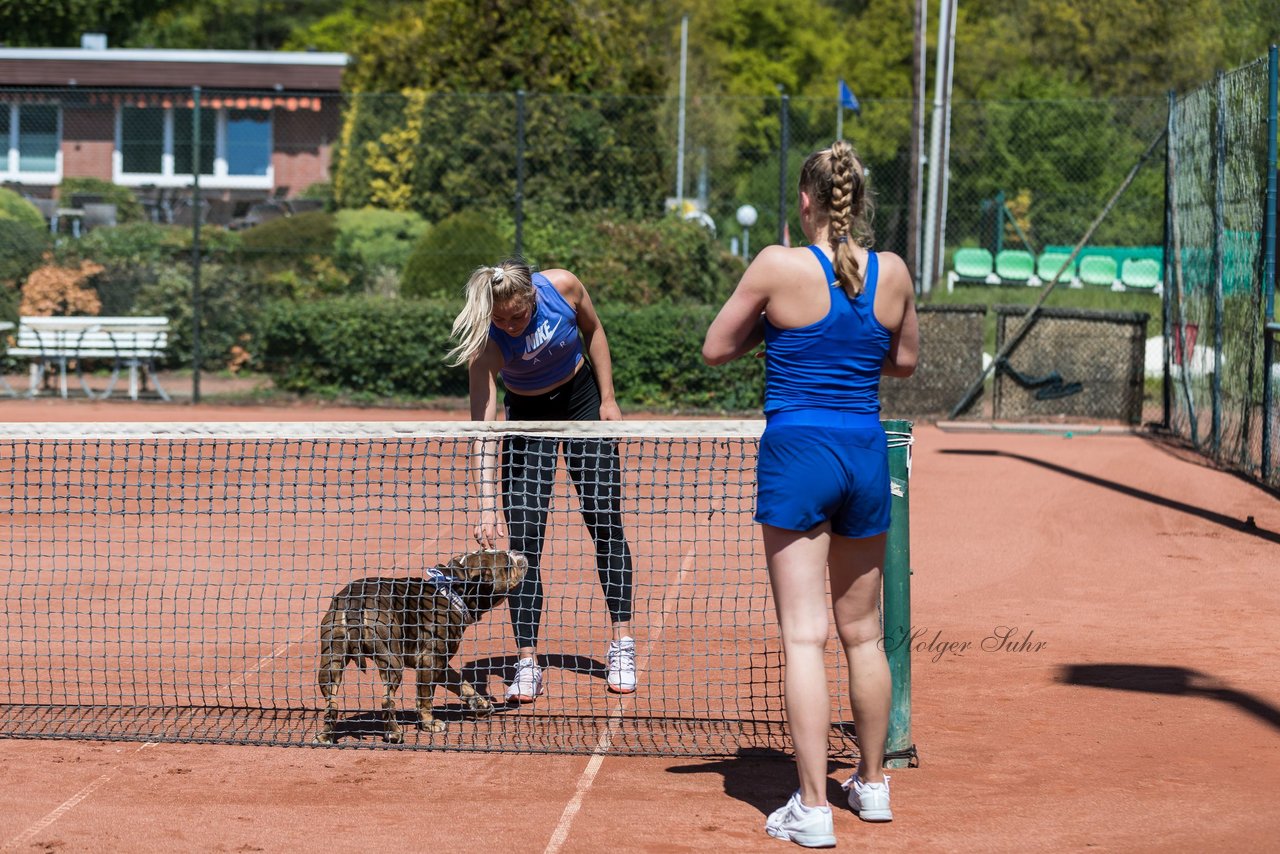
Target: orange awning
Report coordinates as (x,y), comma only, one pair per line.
(212,101)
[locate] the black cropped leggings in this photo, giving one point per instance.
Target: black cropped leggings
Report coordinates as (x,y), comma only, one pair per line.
(528,475)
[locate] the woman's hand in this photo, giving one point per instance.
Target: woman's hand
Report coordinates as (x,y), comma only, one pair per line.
(609,411)
(491,530)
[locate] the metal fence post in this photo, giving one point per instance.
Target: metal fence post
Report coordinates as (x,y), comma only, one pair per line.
(1269,263)
(1219,251)
(897,593)
(195,244)
(519,171)
(782,168)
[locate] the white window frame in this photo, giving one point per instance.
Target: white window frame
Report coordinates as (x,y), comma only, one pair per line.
(219,179)
(13,156)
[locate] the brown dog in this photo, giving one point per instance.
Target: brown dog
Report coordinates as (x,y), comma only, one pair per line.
(412,622)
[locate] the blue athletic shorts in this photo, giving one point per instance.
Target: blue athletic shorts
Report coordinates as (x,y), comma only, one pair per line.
(808,472)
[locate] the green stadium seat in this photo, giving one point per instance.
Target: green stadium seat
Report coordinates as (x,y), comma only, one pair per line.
(1050,263)
(1140,274)
(1015,266)
(1098,271)
(972,265)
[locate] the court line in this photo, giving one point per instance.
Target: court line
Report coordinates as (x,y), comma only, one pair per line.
(263,662)
(588,776)
(67,805)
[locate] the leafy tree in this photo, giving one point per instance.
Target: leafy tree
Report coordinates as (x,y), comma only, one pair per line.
(226,24)
(60,23)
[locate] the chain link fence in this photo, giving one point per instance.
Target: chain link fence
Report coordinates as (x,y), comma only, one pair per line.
(355,219)
(1223,377)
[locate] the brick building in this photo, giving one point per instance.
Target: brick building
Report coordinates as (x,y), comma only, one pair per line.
(266,127)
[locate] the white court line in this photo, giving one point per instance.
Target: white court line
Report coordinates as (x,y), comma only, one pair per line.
(263,662)
(588,776)
(65,807)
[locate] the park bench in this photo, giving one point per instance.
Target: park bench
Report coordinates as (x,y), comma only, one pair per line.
(134,343)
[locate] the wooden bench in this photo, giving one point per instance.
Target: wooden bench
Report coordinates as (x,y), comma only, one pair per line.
(128,342)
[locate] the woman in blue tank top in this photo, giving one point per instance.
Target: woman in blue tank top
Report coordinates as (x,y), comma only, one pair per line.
(834,316)
(531,329)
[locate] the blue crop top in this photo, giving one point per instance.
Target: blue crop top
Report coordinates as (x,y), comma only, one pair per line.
(549,350)
(834,363)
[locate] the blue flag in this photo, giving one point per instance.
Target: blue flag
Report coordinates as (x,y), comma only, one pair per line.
(848,100)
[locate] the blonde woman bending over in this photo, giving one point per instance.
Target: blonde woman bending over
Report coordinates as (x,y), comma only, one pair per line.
(540,333)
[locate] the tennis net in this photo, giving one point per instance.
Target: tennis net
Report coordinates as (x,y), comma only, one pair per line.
(167,582)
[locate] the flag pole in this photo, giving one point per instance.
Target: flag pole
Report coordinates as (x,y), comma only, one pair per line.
(839,119)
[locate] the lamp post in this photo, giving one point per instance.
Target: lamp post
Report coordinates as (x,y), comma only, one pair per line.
(747,217)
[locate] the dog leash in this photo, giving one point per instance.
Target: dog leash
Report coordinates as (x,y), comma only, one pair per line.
(444,584)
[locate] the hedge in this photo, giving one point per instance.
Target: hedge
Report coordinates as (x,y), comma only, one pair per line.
(395,348)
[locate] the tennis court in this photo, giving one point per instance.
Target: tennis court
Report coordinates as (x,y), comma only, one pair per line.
(1093,638)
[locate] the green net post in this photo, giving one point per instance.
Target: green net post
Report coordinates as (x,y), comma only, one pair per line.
(897,593)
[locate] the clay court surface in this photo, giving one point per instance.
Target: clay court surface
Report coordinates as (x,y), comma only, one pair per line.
(1095,668)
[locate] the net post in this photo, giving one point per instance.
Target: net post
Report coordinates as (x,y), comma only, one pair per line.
(897,594)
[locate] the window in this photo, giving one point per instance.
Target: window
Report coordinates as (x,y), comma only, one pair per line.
(29,139)
(156,145)
(248,142)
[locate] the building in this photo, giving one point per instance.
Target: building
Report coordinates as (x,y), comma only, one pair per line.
(266,127)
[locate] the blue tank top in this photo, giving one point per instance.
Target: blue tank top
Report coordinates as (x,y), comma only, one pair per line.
(834,363)
(549,349)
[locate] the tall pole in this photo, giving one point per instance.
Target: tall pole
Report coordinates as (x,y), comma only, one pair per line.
(944,163)
(782,166)
(684,64)
(195,245)
(839,118)
(929,263)
(520,171)
(915,189)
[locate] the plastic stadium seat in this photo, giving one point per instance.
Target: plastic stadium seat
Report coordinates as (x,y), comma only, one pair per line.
(1015,266)
(1050,263)
(1098,271)
(972,265)
(1141,274)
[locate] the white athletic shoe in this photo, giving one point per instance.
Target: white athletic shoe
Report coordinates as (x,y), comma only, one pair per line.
(808,826)
(869,800)
(622,666)
(526,685)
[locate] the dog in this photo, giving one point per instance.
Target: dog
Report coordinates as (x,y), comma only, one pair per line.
(417,623)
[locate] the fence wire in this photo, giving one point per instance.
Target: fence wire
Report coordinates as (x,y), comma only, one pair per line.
(1220,161)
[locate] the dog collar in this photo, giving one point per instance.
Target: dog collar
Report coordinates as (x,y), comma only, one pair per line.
(444,584)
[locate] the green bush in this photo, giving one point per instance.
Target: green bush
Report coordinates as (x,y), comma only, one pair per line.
(295,254)
(230,310)
(373,243)
(636,262)
(128,208)
(447,254)
(22,247)
(367,345)
(657,361)
(14,208)
(133,255)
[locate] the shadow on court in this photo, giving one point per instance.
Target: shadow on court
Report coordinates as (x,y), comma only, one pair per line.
(763,778)
(1173,681)
(477,672)
(1246,526)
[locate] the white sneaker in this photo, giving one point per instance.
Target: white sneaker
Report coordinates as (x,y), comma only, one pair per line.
(622,666)
(869,800)
(526,685)
(808,826)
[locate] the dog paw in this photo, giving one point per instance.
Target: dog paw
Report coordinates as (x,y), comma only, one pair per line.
(394,737)
(479,703)
(325,738)
(432,725)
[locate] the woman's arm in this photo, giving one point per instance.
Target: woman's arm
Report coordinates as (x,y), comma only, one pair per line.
(592,330)
(900,311)
(485,451)
(739,327)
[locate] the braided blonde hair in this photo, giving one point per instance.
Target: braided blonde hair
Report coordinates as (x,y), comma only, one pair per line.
(834,180)
(509,281)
